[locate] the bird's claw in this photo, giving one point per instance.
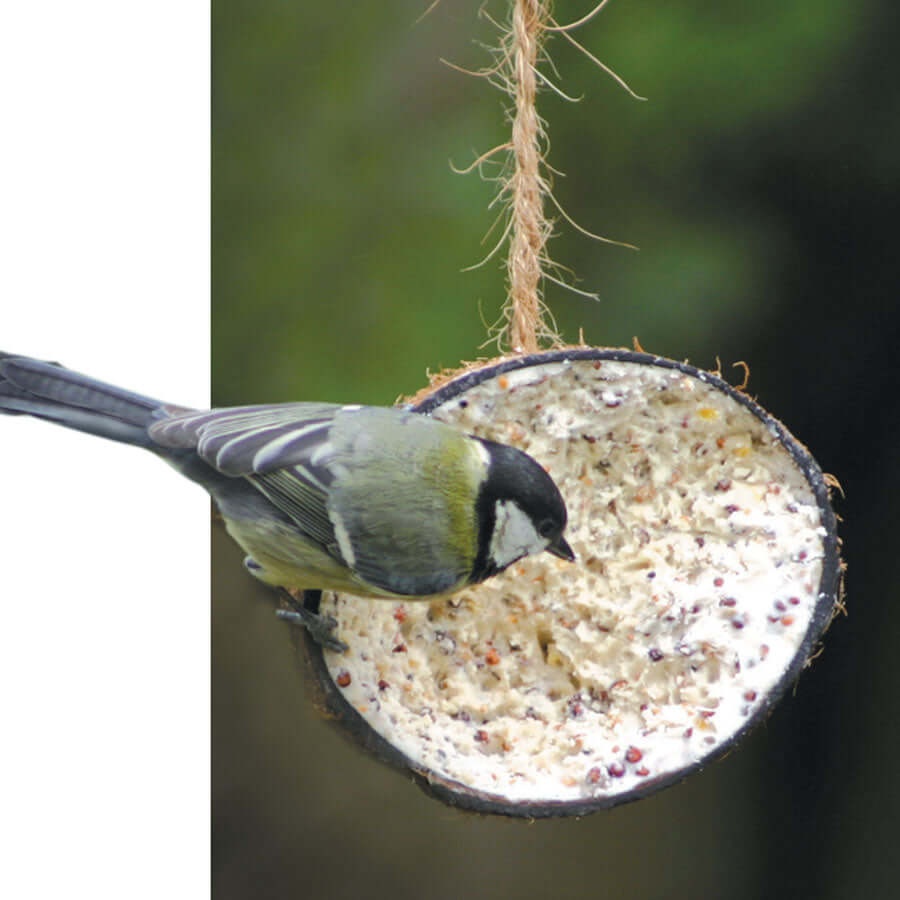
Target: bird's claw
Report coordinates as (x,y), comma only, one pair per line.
(320,628)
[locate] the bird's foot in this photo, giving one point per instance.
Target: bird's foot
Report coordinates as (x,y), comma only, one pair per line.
(320,627)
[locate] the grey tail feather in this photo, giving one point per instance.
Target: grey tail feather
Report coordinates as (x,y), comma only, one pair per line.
(49,391)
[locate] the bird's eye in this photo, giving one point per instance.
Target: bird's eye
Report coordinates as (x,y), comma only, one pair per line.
(547,528)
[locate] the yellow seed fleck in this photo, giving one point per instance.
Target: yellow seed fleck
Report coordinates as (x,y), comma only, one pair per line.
(741,451)
(707,412)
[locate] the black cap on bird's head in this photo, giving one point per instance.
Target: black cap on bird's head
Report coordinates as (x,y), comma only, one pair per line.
(520,511)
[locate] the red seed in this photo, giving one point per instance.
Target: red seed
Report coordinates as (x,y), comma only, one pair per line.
(794,601)
(617,770)
(655,654)
(594,775)
(481,736)
(633,755)
(643,771)
(383,685)
(749,696)
(492,657)
(728,601)
(400,614)
(719,581)
(343,678)
(400,648)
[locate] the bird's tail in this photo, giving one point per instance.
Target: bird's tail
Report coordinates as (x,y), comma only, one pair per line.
(50,391)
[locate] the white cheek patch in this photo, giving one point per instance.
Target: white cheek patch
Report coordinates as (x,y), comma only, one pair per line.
(514,534)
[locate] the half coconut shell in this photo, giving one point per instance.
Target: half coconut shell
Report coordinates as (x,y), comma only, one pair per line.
(707,570)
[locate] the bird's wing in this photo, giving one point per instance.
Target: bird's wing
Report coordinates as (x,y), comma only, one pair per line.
(282,450)
(250,440)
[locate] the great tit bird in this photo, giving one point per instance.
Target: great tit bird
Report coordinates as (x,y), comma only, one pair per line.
(366,500)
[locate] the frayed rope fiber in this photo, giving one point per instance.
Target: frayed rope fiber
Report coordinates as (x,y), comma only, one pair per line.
(530,226)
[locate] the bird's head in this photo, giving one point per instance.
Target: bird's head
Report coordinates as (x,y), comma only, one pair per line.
(520,511)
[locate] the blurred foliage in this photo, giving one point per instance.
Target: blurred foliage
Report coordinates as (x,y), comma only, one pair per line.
(761,181)
(340,231)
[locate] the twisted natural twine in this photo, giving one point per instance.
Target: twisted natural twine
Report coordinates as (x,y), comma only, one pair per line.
(530,228)
(526,321)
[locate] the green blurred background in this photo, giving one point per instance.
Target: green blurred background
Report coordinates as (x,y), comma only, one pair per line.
(761,181)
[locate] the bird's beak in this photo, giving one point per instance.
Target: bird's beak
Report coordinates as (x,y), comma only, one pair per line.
(560,548)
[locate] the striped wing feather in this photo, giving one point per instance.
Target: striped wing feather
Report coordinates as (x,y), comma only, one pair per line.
(282,450)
